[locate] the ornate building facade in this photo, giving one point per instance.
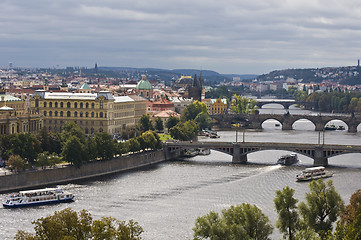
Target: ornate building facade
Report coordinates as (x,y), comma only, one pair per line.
(93,112)
(15,117)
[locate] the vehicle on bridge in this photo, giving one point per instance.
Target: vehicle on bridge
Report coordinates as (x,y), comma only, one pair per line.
(313,174)
(288,159)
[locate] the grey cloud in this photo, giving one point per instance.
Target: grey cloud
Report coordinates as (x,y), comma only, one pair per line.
(231,36)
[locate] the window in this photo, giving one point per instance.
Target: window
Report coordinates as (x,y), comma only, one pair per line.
(81,105)
(75,114)
(76,105)
(68,104)
(50,113)
(44,104)
(101,114)
(44,113)
(101,104)
(61,113)
(87,105)
(56,104)
(92,114)
(93,105)
(86,114)
(61,104)
(68,113)
(81,114)
(50,104)
(56,113)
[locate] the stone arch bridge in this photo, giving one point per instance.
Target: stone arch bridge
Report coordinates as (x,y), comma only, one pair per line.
(286,103)
(287,120)
(239,150)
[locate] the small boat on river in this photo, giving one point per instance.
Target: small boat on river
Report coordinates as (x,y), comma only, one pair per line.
(288,159)
(313,174)
(37,197)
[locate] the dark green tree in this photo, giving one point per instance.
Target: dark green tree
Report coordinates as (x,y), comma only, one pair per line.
(323,206)
(288,218)
(349,225)
(204,121)
(134,145)
(158,124)
(105,145)
(74,151)
(70,225)
(171,122)
(145,123)
(244,221)
(15,162)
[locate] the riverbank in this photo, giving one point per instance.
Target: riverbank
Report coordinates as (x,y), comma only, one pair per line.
(66,174)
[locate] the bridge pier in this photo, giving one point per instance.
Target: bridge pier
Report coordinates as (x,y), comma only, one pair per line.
(287,126)
(319,159)
(320,126)
(352,128)
(237,156)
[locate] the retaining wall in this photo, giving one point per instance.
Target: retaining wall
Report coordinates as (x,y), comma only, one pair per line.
(40,178)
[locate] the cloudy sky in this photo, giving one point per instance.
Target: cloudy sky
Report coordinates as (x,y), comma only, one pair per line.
(228,36)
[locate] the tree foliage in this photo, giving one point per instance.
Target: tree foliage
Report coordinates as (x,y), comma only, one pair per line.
(349,225)
(16,163)
(158,124)
(70,225)
(244,221)
(184,131)
(105,145)
(192,110)
(171,122)
(145,123)
(323,206)
(288,218)
(242,104)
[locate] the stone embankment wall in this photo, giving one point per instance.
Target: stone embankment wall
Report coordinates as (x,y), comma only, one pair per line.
(46,177)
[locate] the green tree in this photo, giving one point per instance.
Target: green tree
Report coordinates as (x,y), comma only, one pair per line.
(70,225)
(144,123)
(323,206)
(74,151)
(158,124)
(15,162)
(288,218)
(171,122)
(192,110)
(72,129)
(349,225)
(149,140)
(184,130)
(105,145)
(242,104)
(204,120)
(45,159)
(134,145)
(244,221)
(26,145)
(91,148)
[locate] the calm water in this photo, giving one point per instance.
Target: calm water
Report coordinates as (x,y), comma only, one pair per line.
(167,198)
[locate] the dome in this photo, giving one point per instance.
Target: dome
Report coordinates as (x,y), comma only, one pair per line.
(144,84)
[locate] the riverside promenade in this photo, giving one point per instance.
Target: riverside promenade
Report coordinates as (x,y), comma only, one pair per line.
(29,179)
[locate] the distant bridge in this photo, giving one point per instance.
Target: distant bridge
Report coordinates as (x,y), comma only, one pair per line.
(287,120)
(286,103)
(239,150)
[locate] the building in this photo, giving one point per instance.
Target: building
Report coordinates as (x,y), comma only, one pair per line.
(93,112)
(218,106)
(15,117)
(144,88)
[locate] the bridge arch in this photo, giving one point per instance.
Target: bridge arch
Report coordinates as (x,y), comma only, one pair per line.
(272,105)
(271,123)
(303,124)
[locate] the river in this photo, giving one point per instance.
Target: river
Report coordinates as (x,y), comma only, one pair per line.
(167,198)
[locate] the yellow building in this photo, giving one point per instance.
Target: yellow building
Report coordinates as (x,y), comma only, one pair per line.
(93,112)
(218,106)
(15,117)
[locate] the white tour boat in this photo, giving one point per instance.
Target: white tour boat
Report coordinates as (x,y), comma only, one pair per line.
(37,197)
(313,173)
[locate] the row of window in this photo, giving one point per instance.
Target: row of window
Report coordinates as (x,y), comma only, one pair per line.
(61,122)
(68,114)
(68,105)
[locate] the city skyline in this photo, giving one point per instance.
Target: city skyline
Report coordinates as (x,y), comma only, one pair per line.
(240,37)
